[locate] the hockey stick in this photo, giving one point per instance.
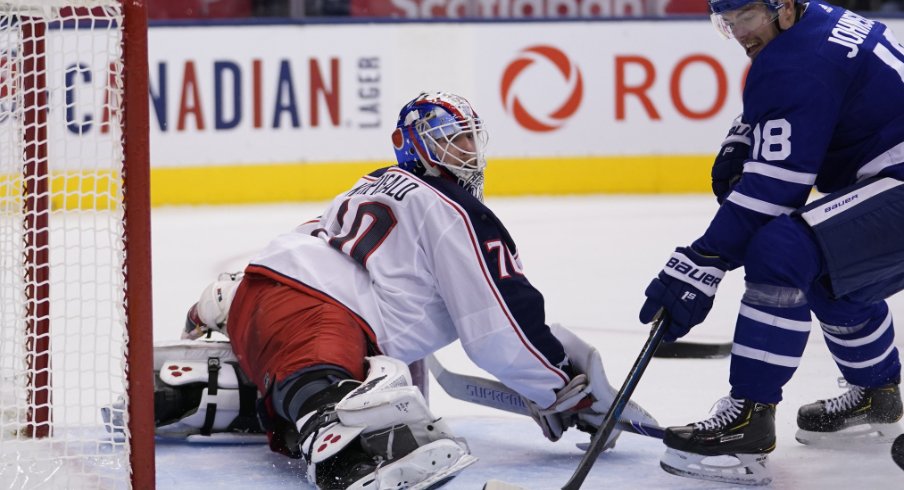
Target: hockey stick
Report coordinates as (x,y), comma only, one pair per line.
(897,451)
(692,350)
(618,405)
(493,394)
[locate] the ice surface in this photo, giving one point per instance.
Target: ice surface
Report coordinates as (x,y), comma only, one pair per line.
(592,257)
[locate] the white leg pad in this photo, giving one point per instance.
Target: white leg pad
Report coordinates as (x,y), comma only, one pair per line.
(192,350)
(411,448)
(387,399)
(419,469)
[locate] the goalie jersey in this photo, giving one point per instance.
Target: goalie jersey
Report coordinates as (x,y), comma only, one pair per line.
(424,263)
(825,100)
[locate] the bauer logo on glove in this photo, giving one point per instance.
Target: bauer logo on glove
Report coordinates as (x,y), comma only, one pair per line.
(705,278)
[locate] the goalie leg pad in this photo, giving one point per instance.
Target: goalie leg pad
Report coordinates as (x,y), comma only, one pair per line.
(386,419)
(193,397)
(427,467)
(739,469)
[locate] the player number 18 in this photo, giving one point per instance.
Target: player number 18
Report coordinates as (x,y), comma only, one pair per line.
(772,141)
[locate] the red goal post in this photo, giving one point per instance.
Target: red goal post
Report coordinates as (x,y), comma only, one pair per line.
(75,285)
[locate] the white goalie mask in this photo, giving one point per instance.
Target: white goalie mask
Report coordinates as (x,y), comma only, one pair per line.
(442,131)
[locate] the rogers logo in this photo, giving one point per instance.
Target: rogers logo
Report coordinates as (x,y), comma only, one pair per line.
(571,74)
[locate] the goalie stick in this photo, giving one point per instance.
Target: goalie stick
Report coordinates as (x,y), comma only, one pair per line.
(494,394)
(692,350)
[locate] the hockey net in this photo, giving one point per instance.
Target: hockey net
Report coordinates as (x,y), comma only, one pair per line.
(75,330)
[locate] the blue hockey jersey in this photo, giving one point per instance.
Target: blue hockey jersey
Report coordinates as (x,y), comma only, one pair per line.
(825,100)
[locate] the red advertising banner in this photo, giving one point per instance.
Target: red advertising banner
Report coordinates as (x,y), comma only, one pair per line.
(439,9)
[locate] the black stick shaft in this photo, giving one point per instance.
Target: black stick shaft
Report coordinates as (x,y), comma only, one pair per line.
(618,405)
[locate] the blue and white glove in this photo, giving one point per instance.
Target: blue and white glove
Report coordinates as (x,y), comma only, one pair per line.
(729,163)
(685,289)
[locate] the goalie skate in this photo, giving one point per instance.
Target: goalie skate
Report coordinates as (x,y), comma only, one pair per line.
(741,469)
(860,416)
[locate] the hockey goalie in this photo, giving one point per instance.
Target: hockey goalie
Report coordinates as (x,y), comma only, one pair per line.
(352,434)
(325,319)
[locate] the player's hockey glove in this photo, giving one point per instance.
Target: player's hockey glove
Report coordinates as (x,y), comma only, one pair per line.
(685,288)
(209,313)
(729,163)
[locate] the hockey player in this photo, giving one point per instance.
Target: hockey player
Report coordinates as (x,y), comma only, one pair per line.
(824,106)
(326,318)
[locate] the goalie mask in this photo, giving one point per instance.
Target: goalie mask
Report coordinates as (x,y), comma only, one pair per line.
(733,18)
(440,132)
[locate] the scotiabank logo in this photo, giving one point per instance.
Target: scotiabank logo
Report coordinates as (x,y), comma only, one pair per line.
(525,107)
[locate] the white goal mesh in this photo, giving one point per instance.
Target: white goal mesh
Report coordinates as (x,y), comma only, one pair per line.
(63,272)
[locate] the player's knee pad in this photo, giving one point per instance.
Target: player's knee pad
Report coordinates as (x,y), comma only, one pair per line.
(381,421)
(758,294)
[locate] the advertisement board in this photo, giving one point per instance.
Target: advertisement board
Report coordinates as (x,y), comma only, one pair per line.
(245,113)
(332,93)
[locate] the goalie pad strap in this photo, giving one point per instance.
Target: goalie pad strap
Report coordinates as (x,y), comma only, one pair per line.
(248,400)
(213,371)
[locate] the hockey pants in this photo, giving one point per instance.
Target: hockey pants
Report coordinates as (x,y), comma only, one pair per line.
(793,268)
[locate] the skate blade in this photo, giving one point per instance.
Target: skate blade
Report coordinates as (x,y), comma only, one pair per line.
(851,437)
(738,469)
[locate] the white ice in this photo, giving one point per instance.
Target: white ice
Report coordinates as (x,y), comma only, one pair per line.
(592,257)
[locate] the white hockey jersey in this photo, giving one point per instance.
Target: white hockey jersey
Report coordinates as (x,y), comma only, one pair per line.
(422,263)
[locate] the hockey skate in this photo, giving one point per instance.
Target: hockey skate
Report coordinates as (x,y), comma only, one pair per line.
(859,416)
(731,446)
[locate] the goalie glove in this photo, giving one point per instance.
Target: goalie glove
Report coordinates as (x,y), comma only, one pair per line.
(729,163)
(585,399)
(558,417)
(209,313)
(591,411)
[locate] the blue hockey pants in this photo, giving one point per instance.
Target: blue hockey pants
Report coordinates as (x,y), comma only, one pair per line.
(838,257)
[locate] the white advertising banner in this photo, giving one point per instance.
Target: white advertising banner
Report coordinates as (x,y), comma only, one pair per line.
(320,93)
(273,94)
